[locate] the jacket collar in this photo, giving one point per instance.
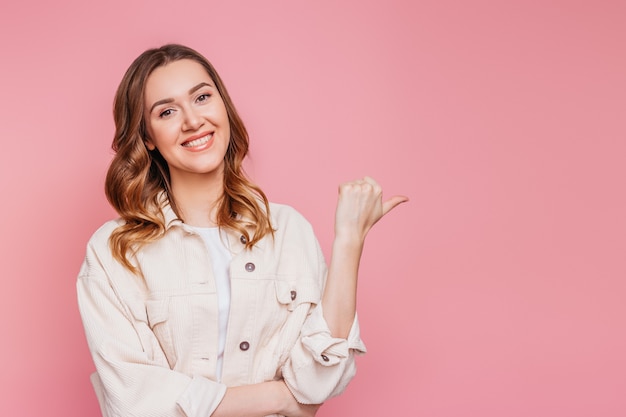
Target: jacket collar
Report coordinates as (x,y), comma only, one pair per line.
(172,220)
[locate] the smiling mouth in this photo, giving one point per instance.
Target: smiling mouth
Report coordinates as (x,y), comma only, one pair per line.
(198,142)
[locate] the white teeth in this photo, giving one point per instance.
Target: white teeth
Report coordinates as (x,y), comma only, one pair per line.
(197,142)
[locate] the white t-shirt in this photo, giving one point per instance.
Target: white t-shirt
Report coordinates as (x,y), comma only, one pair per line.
(220,259)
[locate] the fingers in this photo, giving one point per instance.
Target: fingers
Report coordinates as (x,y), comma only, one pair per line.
(367,182)
(360,205)
(363,186)
(369,186)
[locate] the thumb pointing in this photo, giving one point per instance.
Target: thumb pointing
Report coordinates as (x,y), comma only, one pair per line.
(393,202)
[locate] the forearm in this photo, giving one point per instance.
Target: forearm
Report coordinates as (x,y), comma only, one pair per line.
(259,400)
(339,298)
(255,400)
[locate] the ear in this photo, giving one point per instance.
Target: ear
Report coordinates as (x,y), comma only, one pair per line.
(149,144)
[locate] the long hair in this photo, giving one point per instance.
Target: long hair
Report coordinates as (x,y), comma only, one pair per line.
(137,179)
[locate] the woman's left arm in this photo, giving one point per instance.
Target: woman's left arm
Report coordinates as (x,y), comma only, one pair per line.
(321,364)
(359,207)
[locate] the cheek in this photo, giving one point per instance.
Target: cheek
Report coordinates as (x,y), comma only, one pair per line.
(221,112)
(227,133)
(162,133)
(225,122)
(151,130)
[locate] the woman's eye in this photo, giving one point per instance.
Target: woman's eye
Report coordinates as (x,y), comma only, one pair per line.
(203,97)
(165,113)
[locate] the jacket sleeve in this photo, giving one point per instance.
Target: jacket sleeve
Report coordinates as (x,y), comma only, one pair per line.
(320,366)
(133,377)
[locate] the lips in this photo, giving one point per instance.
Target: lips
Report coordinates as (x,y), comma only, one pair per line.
(197,141)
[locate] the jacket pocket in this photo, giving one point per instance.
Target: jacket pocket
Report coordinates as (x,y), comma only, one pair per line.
(293,294)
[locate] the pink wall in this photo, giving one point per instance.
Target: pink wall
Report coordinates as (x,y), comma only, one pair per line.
(497,291)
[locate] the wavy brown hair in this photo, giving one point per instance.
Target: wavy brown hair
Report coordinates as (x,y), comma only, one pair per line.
(138,179)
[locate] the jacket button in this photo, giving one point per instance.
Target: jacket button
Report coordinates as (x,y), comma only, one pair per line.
(293,295)
(250,267)
(243,239)
(325,358)
(244,346)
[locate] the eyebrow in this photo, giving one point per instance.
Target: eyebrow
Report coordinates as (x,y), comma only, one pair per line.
(171,100)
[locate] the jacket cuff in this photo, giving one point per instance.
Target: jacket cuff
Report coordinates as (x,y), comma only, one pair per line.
(201,397)
(325,349)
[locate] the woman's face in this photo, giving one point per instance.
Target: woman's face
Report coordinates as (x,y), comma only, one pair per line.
(186,119)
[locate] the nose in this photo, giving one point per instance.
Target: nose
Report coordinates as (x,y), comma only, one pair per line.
(192,120)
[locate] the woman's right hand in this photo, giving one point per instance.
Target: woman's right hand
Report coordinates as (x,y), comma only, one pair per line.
(359,206)
(292,408)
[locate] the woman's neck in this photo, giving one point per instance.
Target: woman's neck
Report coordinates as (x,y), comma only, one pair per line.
(197,198)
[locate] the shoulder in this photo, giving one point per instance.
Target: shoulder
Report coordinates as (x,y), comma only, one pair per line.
(99,241)
(99,262)
(283,215)
(295,244)
(292,229)
(101,236)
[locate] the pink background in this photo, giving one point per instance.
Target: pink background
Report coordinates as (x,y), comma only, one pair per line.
(497,291)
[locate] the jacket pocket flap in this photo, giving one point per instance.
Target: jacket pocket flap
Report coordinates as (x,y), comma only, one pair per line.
(158,311)
(296,293)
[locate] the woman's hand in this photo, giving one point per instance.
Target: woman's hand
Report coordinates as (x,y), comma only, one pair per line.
(359,207)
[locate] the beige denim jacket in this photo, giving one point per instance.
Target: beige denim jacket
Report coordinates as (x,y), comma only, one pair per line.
(153,337)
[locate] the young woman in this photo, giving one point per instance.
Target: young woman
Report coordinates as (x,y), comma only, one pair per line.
(204,299)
